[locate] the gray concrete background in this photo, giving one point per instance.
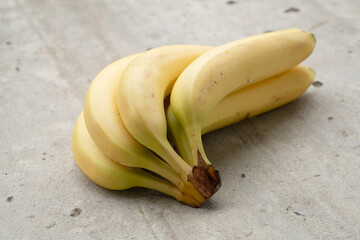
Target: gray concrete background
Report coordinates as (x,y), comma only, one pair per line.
(292,173)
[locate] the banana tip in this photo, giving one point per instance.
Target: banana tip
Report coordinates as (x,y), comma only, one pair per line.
(312,71)
(313,37)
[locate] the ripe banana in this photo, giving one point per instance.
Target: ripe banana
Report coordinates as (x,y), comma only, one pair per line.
(244,103)
(109,174)
(225,69)
(105,125)
(260,97)
(141,93)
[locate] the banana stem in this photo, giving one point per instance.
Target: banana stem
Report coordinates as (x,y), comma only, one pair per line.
(204,177)
(151,182)
(177,135)
(163,169)
(166,152)
(180,177)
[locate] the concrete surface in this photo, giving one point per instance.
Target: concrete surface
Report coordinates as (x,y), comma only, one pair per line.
(293,173)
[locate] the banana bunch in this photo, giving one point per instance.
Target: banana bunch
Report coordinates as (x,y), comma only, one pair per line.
(144,115)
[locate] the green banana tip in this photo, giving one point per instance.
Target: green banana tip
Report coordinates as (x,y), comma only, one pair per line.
(313,37)
(312,71)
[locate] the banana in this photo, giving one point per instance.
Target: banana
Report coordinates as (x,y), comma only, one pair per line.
(111,175)
(260,97)
(105,125)
(141,92)
(223,70)
(245,103)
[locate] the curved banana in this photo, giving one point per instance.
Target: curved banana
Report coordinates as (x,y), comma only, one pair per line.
(109,174)
(260,97)
(141,93)
(105,125)
(247,102)
(224,69)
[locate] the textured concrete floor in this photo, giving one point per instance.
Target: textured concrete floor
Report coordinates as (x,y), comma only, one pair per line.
(292,173)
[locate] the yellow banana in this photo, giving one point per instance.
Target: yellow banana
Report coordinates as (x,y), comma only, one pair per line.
(109,174)
(221,71)
(260,97)
(141,93)
(247,102)
(105,125)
